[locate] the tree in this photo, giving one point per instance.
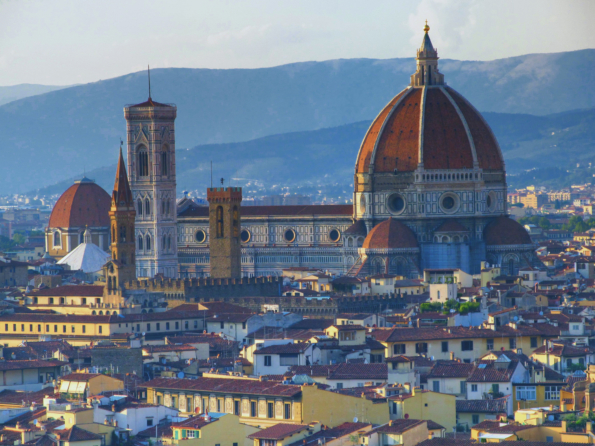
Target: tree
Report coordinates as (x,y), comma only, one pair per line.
(19,238)
(427,307)
(544,223)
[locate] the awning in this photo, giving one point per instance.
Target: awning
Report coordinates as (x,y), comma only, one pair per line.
(81,387)
(64,386)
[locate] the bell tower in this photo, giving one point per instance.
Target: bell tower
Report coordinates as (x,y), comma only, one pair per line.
(152,173)
(225,247)
(427,64)
(121,268)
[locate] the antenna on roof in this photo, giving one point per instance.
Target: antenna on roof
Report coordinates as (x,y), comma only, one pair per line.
(211,174)
(149,74)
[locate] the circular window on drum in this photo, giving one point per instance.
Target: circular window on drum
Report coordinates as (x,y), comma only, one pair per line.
(334,235)
(289,235)
(396,203)
(245,236)
(491,201)
(200,236)
(449,203)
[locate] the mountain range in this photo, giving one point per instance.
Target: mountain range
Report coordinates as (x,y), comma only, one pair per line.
(532,146)
(53,136)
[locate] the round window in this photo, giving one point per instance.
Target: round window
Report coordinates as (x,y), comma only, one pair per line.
(448,203)
(489,201)
(334,235)
(289,235)
(200,236)
(245,236)
(396,203)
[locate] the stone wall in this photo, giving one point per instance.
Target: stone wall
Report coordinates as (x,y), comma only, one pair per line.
(122,360)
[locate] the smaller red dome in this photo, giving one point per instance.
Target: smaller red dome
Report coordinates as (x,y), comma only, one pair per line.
(390,234)
(83,204)
(506,231)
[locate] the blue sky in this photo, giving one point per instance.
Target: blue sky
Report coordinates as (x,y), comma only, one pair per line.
(62,42)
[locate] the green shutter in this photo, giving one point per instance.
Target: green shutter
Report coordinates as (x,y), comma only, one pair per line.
(176,433)
(183,433)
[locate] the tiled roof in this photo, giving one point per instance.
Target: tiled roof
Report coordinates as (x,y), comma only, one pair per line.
(390,234)
(82,204)
(258,211)
(80,376)
(487,424)
(193,422)
(278,431)
(328,434)
(563,350)
(343,371)
(32,364)
(506,231)
(215,341)
(451,370)
(482,406)
(290,348)
(488,371)
(396,426)
(14,397)
(162,431)
(230,317)
(432,425)
(168,348)
(244,386)
(76,434)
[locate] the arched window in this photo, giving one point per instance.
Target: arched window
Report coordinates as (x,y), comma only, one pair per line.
(148,242)
(57,239)
(139,205)
(122,234)
(164,166)
(168,242)
(166,207)
(220,222)
(148,206)
(236,222)
(143,162)
(81,237)
(163,242)
(114,238)
(140,242)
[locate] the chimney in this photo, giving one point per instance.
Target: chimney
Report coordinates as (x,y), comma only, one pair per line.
(113,407)
(452,356)
(390,423)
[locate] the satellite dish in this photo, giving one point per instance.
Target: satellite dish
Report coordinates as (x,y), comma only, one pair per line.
(143,333)
(181,375)
(516,318)
(355,419)
(35,422)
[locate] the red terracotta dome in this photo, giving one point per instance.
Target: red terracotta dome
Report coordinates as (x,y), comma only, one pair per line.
(390,234)
(428,123)
(83,204)
(506,231)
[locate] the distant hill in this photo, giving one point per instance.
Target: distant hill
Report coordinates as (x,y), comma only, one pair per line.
(52,136)
(551,144)
(16,92)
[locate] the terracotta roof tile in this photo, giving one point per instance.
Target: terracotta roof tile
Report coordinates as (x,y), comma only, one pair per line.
(278,431)
(225,385)
(390,234)
(82,204)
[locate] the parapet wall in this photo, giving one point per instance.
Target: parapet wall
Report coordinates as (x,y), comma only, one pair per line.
(194,290)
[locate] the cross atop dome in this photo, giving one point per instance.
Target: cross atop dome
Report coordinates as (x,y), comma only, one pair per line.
(427,64)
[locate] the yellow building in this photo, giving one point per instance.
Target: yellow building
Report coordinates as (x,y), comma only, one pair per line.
(264,403)
(465,343)
(211,429)
(79,427)
(425,405)
(78,386)
(347,334)
(398,432)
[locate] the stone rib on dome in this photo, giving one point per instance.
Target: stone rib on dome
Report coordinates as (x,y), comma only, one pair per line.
(506,231)
(82,204)
(390,234)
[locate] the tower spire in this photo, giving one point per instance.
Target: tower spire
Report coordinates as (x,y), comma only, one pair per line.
(427,63)
(149,75)
(122,195)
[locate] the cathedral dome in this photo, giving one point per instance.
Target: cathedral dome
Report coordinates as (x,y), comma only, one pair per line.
(428,125)
(390,234)
(83,204)
(506,231)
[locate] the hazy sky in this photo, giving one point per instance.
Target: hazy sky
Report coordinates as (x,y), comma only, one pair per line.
(72,41)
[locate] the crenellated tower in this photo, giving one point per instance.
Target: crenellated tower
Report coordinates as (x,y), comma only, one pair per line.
(152,173)
(225,224)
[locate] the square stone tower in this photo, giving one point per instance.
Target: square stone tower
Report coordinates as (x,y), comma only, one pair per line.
(152,173)
(224,232)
